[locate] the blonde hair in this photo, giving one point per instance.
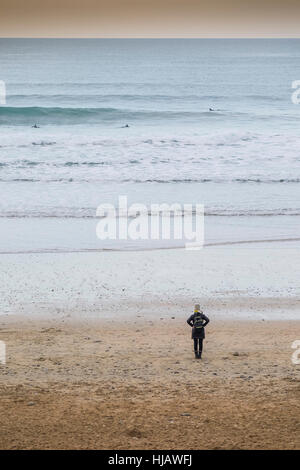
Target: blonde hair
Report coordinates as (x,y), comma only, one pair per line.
(197,308)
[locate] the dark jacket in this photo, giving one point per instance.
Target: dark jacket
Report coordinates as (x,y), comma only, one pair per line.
(200,333)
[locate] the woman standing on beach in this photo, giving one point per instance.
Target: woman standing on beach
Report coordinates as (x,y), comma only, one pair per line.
(198,322)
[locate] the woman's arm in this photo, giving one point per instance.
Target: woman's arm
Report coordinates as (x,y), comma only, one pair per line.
(190,320)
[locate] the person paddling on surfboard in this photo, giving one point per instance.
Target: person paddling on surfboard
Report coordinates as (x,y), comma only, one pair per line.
(198,322)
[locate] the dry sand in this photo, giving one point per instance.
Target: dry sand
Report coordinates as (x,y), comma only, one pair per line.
(134,384)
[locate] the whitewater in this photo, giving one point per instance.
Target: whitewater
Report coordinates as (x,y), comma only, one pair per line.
(160,121)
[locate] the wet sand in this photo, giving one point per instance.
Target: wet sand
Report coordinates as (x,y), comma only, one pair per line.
(134,384)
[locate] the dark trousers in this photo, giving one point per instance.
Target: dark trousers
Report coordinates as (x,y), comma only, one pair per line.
(198,344)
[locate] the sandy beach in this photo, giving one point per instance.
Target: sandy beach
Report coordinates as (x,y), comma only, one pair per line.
(114,154)
(137,386)
(109,364)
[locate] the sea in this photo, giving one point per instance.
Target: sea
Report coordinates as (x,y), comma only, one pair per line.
(186,121)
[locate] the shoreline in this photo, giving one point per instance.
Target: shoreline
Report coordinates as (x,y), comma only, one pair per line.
(100,250)
(41,235)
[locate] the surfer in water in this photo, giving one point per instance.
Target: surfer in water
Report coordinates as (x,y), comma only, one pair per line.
(198,322)
(36,126)
(126,125)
